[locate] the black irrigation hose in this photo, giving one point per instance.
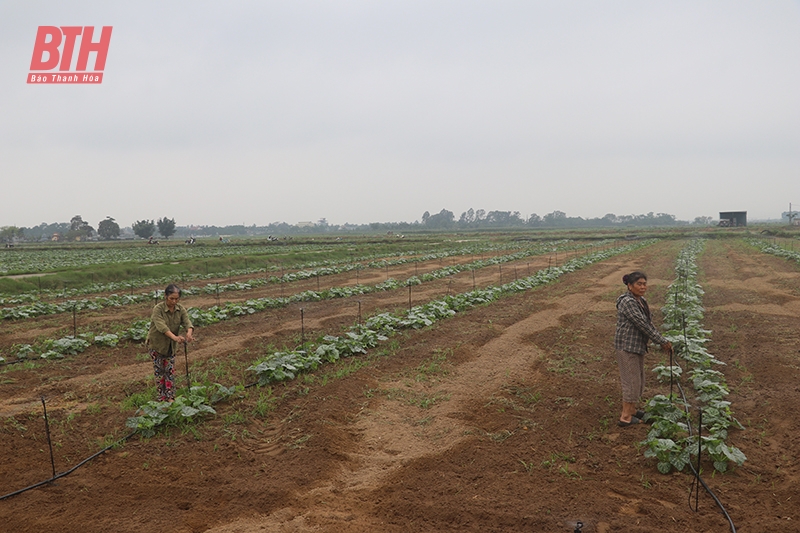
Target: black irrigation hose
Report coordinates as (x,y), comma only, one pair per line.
(697,474)
(698,479)
(68,472)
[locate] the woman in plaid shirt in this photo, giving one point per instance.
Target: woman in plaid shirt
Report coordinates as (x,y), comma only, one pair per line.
(634,329)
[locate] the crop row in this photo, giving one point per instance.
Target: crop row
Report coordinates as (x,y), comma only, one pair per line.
(774,249)
(367,261)
(216,313)
(286,365)
(24,261)
(670,440)
(40,308)
(203,317)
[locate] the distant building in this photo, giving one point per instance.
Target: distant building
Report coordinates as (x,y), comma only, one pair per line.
(733,218)
(305,224)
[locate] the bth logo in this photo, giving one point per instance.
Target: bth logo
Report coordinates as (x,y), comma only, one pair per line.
(48,53)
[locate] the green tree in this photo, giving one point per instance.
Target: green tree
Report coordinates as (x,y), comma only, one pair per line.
(166,227)
(442,220)
(144,228)
(467,218)
(8,233)
(108,229)
(556,218)
(79,229)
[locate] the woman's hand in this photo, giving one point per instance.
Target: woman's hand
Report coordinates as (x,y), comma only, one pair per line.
(667,347)
(189,335)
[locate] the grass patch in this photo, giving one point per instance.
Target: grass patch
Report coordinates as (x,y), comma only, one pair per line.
(417,399)
(135,400)
(526,395)
(235,418)
(265,403)
(500,436)
(565,365)
(433,367)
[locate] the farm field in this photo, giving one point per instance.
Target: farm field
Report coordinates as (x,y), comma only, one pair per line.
(499,418)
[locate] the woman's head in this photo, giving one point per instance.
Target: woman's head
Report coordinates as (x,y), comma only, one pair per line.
(172,294)
(636,282)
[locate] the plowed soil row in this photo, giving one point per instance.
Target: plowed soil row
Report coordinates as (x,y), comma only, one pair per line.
(499,419)
(279,327)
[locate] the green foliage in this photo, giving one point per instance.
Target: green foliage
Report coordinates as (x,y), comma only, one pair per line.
(24,351)
(774,249)
(79,229)
(109,339)
(668,440)
(64,346)
(108,229)
(58,348)
(668,453)
(664,372)
(137,331)
(9,233)
(718,451)
(144,228)
(166,227)
(137,399)
(187,408)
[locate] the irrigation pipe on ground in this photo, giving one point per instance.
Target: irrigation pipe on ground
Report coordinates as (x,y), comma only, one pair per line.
(696,473)
(68,472)
(673,382)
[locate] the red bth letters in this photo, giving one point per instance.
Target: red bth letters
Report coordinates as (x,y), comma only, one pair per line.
(47,56)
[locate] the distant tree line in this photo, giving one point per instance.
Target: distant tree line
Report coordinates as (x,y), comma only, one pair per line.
(147,228)
(78,229)
(480,219)
(446,220)
(477,219)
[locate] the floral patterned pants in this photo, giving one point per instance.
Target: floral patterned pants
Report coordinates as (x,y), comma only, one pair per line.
(164,367)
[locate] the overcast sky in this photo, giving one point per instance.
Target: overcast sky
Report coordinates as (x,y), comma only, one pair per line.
(377,111)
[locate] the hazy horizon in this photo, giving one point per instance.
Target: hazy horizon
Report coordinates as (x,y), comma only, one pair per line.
(358,112)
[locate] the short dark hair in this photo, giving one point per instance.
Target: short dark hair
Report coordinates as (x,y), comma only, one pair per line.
(172,289)
(633,277)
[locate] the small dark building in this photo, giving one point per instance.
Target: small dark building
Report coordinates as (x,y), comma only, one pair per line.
(733,218)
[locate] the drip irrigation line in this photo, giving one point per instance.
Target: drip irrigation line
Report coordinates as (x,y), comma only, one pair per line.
(68,472)
(186,359)
(696,472)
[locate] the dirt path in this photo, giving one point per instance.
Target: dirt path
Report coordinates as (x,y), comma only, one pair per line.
(391,436)
(753,307)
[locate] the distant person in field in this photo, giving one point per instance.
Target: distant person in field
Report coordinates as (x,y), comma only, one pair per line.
(634,329)
(166,322)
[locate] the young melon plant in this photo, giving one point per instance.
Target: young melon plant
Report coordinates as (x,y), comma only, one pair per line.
(669,440)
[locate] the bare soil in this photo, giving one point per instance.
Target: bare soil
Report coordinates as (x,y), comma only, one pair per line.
(500,419)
